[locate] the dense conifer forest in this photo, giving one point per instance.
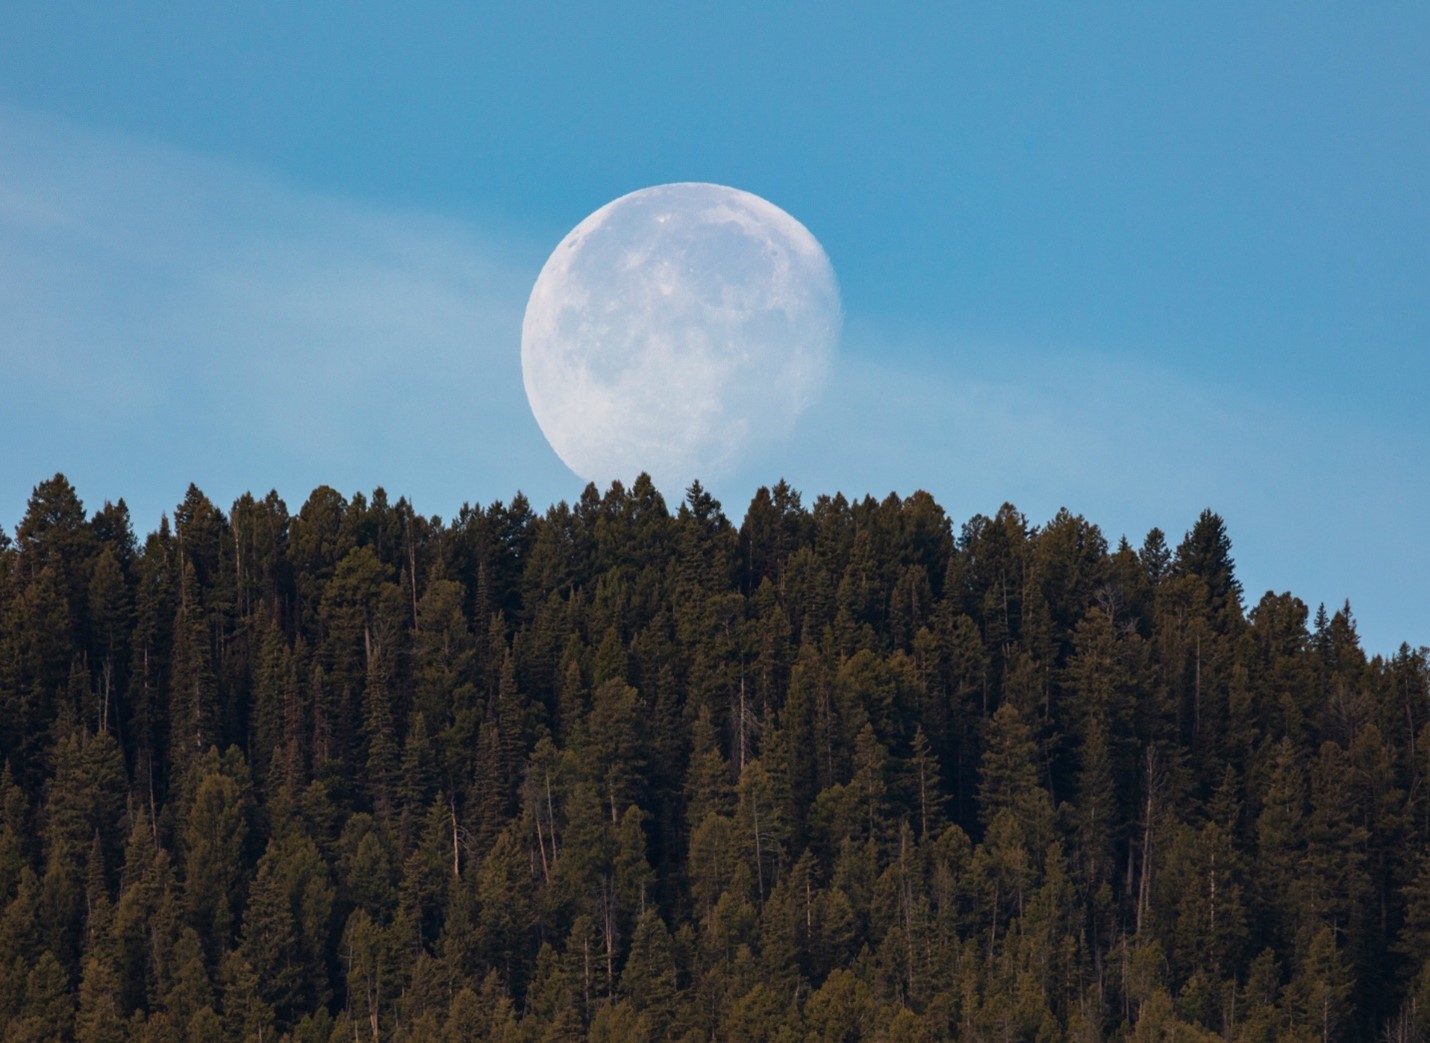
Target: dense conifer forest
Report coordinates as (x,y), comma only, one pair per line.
(842,771)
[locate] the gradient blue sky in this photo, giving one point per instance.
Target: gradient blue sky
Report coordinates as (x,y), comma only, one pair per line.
(1132,259)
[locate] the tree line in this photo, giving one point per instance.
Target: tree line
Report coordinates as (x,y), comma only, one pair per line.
(619,772)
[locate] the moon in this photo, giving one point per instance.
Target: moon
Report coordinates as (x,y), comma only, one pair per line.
(678,330)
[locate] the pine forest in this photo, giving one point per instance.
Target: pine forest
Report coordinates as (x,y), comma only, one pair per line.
(628,771)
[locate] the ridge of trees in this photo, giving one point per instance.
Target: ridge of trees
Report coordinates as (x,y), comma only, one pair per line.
(622,772)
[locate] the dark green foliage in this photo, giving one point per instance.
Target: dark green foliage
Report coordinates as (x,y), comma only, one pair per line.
(624,773)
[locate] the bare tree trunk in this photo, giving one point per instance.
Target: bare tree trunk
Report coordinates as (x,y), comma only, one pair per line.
(608,915)
(106,683)
(1144,889)
(456,849)
(740,729)
(586,973)
(808,904)
(541,846)
(993,928)
(550,815)
(759,862)
(1211,894)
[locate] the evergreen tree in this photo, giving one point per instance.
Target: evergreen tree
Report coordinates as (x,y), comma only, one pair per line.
(213,833)
(1205,552)
(613,773)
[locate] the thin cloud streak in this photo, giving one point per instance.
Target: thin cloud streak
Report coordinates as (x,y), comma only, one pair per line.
(166,319)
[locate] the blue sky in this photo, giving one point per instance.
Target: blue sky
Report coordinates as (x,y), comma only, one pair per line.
(1131,259)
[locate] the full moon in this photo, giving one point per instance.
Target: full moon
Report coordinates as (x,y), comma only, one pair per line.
(677,330)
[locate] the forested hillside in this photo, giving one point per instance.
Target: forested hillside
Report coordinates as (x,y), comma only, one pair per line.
(839,771)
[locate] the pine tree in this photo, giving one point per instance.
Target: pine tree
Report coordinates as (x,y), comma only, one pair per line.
(100,1014)
(193,716)
(246,1014)
(1280,840)
(367,957)
(648,980)
(49,1011)
(614,757)
(109,610)
(286,926)
(504,903)
(213,833)
(1206,553)
(1008,779)
(14,833)
(381,731)
(1320,987)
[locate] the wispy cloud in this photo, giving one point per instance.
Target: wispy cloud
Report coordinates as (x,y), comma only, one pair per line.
(165,318)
